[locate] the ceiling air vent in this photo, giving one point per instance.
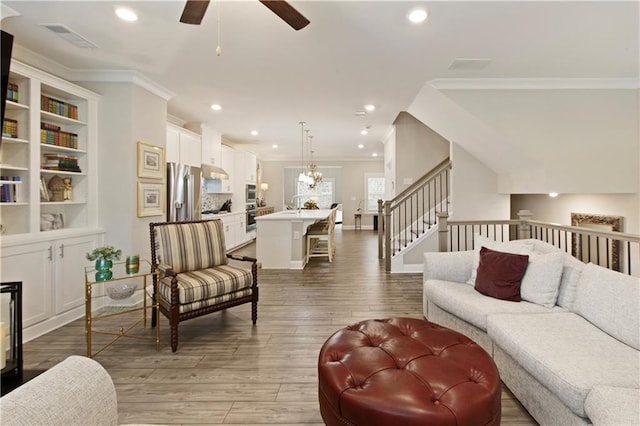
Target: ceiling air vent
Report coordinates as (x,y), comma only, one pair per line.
(473,64)
(69,35)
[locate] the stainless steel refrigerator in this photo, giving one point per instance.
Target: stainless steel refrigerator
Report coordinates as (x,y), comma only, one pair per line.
(183,192)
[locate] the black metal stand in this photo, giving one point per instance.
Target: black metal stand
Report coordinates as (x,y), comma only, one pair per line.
(11,294)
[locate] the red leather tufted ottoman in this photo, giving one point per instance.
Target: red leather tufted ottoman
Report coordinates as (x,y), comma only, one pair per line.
(405,371)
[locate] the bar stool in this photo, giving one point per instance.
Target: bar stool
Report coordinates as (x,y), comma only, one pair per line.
(320,238)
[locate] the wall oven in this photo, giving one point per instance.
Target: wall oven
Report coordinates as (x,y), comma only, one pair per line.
(251,194)
(251,217)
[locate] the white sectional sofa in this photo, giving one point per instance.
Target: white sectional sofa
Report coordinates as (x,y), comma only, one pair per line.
(569,351)
(77,391)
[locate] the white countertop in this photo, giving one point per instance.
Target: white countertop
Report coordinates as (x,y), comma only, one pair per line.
(218,215)
(295,215)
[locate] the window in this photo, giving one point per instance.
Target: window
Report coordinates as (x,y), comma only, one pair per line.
(323,194)
(374,191)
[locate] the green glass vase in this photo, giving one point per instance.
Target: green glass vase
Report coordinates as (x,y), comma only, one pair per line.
(103,269)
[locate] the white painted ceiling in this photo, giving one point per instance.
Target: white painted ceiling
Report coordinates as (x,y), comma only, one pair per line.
(269,77)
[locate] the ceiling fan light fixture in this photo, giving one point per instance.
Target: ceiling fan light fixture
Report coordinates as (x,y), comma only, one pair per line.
(126,14)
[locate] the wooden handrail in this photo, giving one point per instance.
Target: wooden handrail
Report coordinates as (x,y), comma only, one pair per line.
(415,186)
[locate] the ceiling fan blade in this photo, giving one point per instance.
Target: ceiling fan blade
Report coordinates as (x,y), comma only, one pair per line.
(287,13)
(194,11)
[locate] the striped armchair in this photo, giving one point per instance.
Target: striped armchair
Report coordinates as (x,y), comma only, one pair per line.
(196,277)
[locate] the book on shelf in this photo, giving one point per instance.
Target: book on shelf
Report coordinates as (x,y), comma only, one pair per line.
(50,134)
(10,128)
(13,92)
(61,162)
(9,193)
(56,106)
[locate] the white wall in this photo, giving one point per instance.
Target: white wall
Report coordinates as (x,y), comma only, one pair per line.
(127,114)
(474,189)
(586,141)
(418,149)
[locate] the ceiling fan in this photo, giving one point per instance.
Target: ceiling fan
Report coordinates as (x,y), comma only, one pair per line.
(194,11)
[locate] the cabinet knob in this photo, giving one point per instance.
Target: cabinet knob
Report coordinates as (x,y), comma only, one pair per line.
(50,257)
(61,250)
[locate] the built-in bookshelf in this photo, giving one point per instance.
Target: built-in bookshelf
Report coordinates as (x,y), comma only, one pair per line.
(49,136)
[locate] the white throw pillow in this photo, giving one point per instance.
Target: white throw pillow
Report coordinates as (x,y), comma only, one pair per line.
(516,247)
(541,281)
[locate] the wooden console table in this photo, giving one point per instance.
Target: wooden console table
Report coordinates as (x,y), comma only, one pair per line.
(261,211)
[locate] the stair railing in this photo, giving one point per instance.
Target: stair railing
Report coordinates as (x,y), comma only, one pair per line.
(611,249)
(411,213)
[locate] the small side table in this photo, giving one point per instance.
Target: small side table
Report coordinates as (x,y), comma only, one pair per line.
(119,274)
(358,221)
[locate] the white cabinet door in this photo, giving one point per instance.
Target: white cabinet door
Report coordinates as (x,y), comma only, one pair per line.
(211,146)
(228,159)
(251,164)
(32,264)
(190,150)
(172,151)
(70,261)
(229,232)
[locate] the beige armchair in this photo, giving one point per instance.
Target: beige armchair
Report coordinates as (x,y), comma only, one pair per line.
(197,278)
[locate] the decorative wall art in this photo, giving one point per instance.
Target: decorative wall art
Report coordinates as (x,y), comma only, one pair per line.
(151,199)
(150,161)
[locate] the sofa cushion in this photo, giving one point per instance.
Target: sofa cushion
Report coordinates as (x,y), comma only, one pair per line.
(611,301)
(463,301)
(207,283)
(571,270)
(479,241)
(499,274)
(566,353)
(607,405)
(572,267)
(541,282)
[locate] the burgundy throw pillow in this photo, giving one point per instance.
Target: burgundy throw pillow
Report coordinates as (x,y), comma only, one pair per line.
(500,274)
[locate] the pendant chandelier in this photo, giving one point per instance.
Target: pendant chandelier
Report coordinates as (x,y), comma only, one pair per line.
(302,177)
(314,177)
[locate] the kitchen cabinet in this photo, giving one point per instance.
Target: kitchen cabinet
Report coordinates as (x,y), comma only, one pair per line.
(211,142)
(227,163)
(183,146)
(51,271)
(250,166)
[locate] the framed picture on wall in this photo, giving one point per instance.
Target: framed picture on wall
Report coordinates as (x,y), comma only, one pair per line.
(150,161)
(151,199)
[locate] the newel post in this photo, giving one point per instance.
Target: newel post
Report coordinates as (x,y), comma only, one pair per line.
(380,229)
(524,229)
(387,236)
(443,231)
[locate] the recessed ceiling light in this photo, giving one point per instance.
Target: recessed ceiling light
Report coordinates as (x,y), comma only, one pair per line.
(274,146)
(370,107)
(364,132)
(126,14)
(375,154)
(417,15)
(216,107)
(361,113)
(553,194)
(254,133)
(360,146)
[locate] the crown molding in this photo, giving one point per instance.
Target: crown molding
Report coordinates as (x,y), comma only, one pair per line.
(535,83)
(123,76)
(76,75)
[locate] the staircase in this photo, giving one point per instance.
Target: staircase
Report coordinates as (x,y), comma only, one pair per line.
(409,219)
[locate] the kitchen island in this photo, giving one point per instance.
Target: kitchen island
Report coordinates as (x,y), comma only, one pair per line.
(281,237)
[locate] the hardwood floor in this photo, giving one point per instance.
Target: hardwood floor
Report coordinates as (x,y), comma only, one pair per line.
(228,372)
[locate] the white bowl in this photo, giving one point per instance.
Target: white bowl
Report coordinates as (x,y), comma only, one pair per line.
(118,291)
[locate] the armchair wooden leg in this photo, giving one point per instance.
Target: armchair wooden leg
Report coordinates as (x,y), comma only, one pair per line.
(174,337)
